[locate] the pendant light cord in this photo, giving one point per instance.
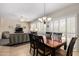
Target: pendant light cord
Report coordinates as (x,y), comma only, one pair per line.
(44,9)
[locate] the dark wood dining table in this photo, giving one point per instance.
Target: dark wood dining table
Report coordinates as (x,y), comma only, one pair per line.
(53,44)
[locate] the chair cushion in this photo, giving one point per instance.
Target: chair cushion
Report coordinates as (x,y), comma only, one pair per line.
(4,42)
(47,51)
(61,52)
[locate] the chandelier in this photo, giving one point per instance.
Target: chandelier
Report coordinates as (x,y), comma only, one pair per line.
(44,19)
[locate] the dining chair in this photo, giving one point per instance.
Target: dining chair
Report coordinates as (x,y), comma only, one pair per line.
(41,48)
(57,36)
(32,43)
(34,33)
(69,52)
(48,35)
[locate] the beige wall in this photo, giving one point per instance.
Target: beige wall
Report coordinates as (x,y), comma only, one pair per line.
(7,24)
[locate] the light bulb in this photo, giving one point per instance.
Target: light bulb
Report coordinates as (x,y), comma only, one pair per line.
(40,19)
(21,20)
(49,19)
(44,18)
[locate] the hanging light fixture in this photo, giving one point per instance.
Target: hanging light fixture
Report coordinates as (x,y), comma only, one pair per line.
(45,19)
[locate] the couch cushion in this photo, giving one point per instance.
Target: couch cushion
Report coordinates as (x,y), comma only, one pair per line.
(4,42)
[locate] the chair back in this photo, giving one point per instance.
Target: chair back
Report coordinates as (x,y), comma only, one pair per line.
(31,36)
(48,35)
(34,33)
(40,43)
(57,36)
(71,46)
(40,39)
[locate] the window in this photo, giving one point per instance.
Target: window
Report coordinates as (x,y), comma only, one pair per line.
(66,26)
(62,25)
(71,24)
(71,28)
(56,23)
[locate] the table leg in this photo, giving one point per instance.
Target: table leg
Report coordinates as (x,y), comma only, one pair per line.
(53,52)
(65,46)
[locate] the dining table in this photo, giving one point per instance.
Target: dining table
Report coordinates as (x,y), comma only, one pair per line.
(53,44)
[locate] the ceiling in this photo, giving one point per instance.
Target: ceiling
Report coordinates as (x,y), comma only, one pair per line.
(29,11)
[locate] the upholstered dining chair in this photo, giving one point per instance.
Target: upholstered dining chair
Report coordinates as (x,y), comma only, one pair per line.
(57,36)
(34,33)
(32,43)
(48,35)
(41,48)
(69,52)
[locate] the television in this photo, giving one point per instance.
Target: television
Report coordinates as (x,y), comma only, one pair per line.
(19,30)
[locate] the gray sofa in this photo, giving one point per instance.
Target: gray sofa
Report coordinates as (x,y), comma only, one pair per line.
(15,38)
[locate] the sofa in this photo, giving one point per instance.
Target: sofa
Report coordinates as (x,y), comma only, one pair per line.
(15,38)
